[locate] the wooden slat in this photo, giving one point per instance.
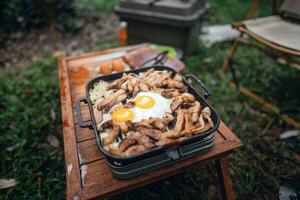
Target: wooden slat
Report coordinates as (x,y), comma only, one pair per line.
(71,157)
(83,134)
(227,133)
(89,151)
(99,181)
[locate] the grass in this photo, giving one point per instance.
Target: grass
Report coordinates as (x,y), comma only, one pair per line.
(96,5)
(30,118)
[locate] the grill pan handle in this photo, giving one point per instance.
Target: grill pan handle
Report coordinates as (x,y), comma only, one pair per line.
(82,124)
(207,92)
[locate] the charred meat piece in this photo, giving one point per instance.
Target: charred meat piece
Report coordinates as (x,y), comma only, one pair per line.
(104,125)
(176,103)
(135,150)
(167,119)
(151,133)
(125,143)
(206,115)
(117,100)
(135,90)
(177,77)
(185,97)
(98,116)
(195,130)
(172,134)
(159,123)
(112,135)
(147,123)
(117,83)
(179,120)
(114,151)
(166,142)
(143,87)
(143,140)
(129,104)
(195,111)
(170,93)
(112,98)
(124,126)
(175,84)
(187,120)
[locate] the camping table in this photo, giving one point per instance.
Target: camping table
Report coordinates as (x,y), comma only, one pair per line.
(87,174)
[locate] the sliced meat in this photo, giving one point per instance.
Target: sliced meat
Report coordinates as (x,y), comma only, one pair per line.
(143,87)
(187,120)
(201,121)
(115,101)
(129,104)
(112,98)
(170,93)
(177,77)
(206,115)
(98,116)
(112,135)
(125,143)
(135,90)
(104,125)
(172,134)
(179,120)
(166,142)
(175,84)
(114,151)
(159,124)
(151,133)
(195,111)
(176,103)
(195,130)
(124,126)
(147,123)
(167,119)
(187,97)
(135,150)
(117,83)
(143,140)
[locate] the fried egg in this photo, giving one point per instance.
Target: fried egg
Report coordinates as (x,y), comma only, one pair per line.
(147,104)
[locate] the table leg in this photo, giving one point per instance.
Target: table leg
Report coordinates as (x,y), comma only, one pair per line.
(225,183)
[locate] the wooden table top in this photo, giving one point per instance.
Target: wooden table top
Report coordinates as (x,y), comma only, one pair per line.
(87,174)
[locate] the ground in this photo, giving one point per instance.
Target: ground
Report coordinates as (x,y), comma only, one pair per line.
(31,147)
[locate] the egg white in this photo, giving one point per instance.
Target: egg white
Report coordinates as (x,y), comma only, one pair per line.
(159,110)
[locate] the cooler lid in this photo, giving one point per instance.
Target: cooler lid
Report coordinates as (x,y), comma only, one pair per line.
(155,10)
(173,7)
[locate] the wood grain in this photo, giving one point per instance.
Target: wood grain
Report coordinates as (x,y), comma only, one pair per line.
(71,157)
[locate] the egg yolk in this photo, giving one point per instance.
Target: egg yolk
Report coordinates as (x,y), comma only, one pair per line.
(144,102)
(123,115)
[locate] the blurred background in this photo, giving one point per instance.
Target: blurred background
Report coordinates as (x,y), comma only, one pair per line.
(34,33)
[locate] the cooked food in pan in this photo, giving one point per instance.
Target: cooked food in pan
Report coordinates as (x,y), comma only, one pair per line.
(138,112)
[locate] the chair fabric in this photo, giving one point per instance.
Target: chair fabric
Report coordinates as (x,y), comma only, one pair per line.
(276,30)
(291,6)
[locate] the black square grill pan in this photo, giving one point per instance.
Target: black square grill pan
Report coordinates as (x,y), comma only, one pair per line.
(187,147)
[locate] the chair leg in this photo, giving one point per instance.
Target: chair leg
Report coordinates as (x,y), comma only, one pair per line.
(225,183)
(232,51)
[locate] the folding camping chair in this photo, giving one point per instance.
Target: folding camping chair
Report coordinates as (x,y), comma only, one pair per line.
(278,35)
